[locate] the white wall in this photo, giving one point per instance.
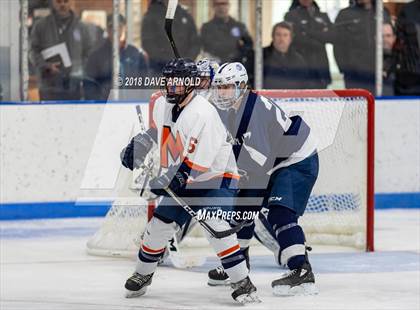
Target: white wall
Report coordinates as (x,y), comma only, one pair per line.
(48,152)
(397,147)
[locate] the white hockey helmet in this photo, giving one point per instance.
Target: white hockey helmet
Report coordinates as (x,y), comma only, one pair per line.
(206,70)
(207,67)
(233,73)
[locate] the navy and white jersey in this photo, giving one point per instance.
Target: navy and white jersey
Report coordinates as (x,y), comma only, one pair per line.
(268,138)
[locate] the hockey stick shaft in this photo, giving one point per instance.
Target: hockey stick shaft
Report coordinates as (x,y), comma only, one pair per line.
(143,129)
(211,231)
(140,117)
(170,13)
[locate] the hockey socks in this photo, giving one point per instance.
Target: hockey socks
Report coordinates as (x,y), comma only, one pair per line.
(289,235)
(153,244)
(233,262)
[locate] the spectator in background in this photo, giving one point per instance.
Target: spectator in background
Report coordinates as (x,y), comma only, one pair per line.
(99,66)
(96,33)
(155,41)
(312,30)
(284,68)
(59,79)
(226,40)
(407,50)
(388,38)
(355,44)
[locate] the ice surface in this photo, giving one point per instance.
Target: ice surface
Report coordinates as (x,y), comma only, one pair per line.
(44,266)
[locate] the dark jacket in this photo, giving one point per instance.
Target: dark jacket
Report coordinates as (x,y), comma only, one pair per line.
(99,70)
(284,71)
(155,41)
(312,30)
(407,50)
(388,76)
(228,42)
(355,46)
(75,34)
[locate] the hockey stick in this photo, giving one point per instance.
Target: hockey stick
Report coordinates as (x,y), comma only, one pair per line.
(170,13)
(142,128)
(193,214)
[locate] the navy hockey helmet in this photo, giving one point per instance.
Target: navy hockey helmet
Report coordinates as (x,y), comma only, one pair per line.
(181,77)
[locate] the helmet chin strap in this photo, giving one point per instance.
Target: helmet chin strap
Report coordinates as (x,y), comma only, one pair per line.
(179,99)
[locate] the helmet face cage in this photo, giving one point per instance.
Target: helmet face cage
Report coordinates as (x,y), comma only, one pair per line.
(224,102)
(233,74)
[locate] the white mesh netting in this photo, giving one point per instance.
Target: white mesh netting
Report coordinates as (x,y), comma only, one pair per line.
(337,210)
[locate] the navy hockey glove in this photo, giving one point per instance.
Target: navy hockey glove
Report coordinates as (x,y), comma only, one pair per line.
(133,155)
(169,180)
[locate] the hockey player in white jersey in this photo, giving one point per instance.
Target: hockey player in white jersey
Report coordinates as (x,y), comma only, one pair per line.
(206,71)
(279,157)
(197,163)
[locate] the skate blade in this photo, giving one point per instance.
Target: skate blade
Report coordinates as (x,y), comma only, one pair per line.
(246,299)
(134,294)
(212,282)
(300,290)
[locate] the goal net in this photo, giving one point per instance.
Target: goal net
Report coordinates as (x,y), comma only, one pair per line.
(340,209)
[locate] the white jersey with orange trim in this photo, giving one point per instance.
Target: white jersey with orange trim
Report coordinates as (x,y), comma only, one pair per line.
(196,137)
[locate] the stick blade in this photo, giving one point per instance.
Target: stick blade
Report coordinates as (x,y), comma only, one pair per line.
(170,11)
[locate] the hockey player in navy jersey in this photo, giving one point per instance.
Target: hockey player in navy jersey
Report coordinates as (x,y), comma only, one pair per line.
(279,163)
(197,162)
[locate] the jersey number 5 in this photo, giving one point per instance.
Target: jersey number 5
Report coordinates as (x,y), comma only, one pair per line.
(192,144)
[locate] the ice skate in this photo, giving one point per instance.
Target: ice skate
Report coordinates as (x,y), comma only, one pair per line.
(300,281)
(137,284)
(218,276)
(245,292)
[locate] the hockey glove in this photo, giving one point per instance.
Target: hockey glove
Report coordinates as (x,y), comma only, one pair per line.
(132,157)
(175,182)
